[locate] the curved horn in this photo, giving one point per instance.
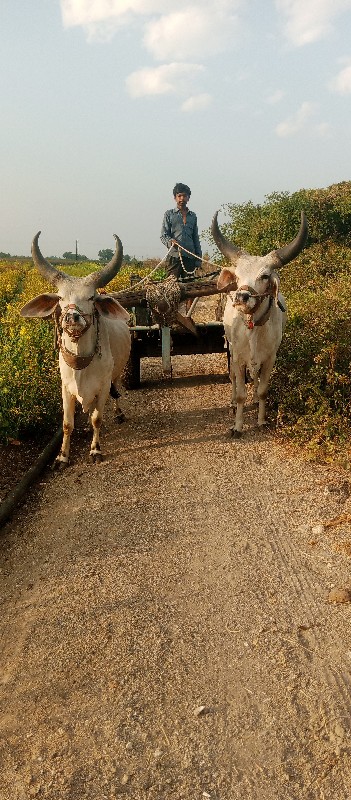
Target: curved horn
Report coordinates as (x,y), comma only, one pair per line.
(292,250)
(43,266)
(105,275)
(228,249)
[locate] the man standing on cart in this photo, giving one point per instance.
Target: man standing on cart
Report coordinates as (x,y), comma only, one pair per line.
(179,227)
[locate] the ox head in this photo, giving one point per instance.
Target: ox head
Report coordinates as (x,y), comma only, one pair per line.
(252,277)
(76,299)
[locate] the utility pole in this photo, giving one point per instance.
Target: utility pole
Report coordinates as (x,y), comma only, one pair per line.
(76,249)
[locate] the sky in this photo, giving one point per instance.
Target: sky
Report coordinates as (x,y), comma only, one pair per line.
(106,104)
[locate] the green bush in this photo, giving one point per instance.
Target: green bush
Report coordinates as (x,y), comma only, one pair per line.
(264,227)
(310,388)
(29,376)
(311,384)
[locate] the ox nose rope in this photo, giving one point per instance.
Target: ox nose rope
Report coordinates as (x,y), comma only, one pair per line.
(248,316)
(75,333)
(75,360)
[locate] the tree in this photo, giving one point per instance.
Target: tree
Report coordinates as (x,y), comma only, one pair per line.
(69,256)
(131,260)
(105,255)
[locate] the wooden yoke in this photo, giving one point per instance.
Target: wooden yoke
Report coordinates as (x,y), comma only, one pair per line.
(137,296)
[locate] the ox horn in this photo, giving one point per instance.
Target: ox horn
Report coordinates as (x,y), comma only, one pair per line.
(97,279)
(105,275)
(228,249)
(43,266)
(292,250)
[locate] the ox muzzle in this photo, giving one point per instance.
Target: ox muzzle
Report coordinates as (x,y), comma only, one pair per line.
(75,322)
(247,296)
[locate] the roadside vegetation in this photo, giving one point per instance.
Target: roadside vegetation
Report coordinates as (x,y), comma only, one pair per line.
(310,389)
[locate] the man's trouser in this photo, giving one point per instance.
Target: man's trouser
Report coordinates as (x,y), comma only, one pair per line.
(175,267)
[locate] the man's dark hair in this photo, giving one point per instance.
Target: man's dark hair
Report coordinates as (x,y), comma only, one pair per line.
(181,188)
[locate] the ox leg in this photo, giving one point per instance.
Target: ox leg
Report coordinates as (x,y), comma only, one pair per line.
(96,421)
(255,390)
(115,394)
(240,397)
(95,449)
(262,390)
(69,403)
(233,382)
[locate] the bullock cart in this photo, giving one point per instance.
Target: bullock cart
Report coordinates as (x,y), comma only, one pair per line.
(157,328)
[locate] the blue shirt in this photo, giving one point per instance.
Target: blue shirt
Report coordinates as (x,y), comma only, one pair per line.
(186,234)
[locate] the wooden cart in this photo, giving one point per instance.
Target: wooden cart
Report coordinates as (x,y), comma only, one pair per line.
(151,340)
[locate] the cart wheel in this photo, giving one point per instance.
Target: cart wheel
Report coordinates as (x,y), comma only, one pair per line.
(131,374)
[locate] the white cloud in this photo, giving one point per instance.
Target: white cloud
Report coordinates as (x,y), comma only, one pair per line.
(102,18)
(194,32)
(310,20)
(197,102)
(342,82)
(206,26)
(174,78)
(84,12)
(323,130)
(296,122)
(275,97)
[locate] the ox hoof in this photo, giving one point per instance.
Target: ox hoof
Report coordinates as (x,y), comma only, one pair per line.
(58,465)
(120,418)
(235,434)
(96,458)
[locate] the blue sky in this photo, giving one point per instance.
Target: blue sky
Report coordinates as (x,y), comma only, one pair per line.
(106,104)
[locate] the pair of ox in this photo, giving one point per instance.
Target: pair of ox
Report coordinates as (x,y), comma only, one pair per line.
(93,338)
(254,316)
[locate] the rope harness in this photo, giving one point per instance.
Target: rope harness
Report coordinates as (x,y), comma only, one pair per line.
(192,277)
(187,271)
(163,299)
(73,359)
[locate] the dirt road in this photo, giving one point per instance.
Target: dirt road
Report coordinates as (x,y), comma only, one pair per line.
(165,630)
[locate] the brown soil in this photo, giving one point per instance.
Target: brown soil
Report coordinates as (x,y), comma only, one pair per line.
(167,629)
(15,458)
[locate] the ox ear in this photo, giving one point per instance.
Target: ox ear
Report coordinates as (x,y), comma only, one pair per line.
(275,284)
(42,306)
(226,279)
(110,307)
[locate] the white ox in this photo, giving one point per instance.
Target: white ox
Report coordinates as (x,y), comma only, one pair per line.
(254,316)
(93,339)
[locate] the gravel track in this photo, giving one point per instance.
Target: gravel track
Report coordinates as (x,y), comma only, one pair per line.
(165,630)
